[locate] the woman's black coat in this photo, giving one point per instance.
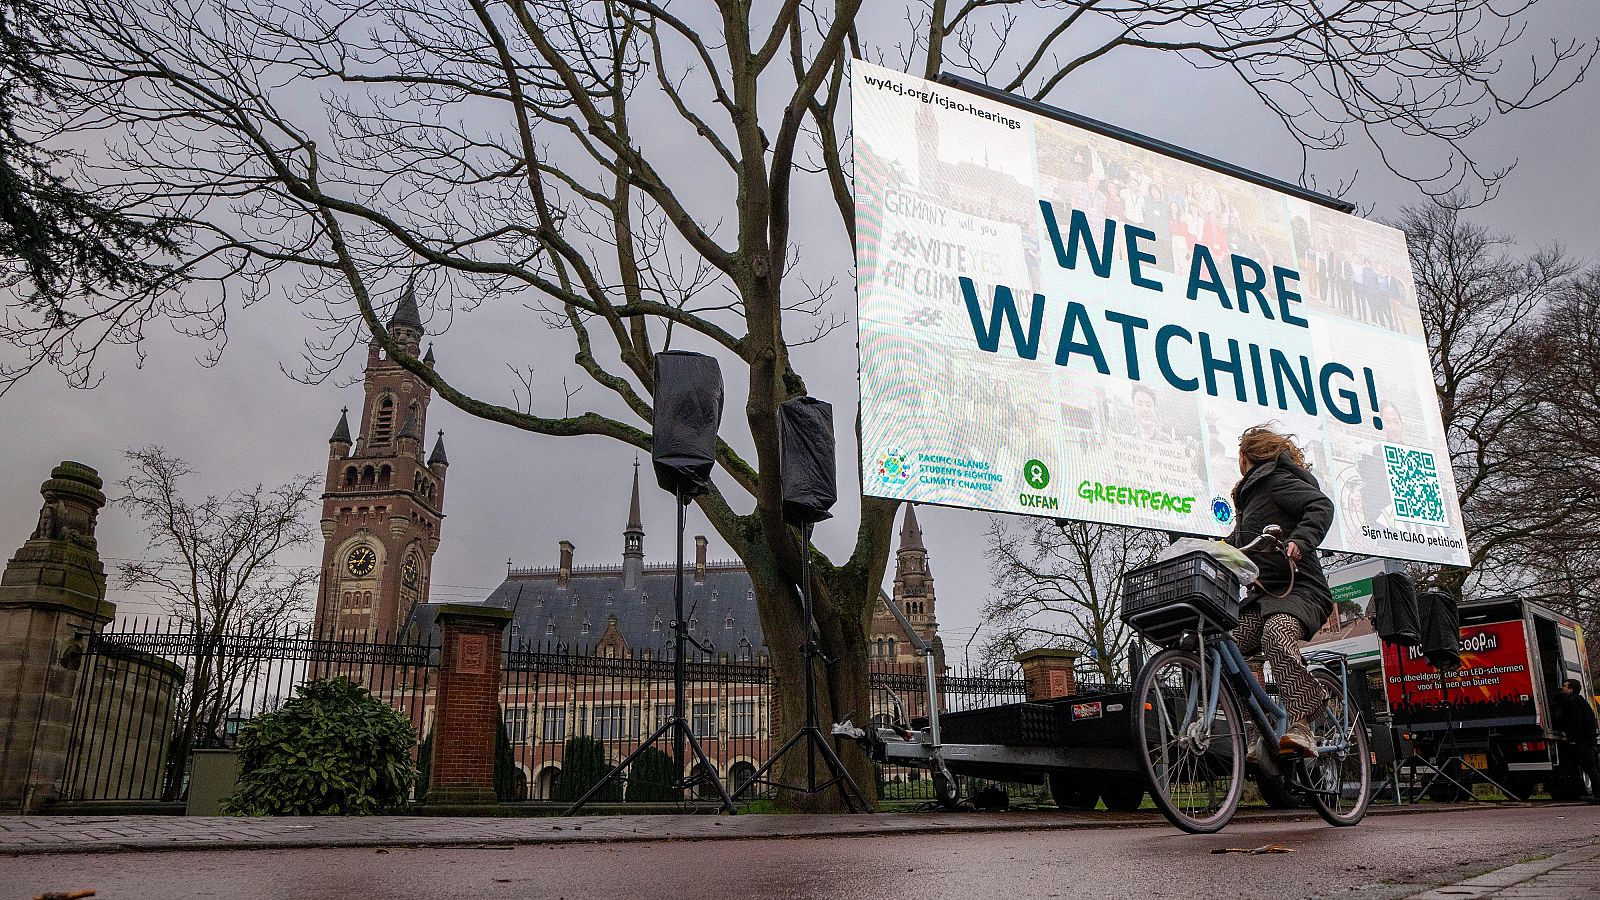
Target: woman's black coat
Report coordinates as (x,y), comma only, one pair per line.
(1278,492)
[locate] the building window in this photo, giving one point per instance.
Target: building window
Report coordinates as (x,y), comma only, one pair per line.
(656,625)
(727,624)
(383,424)
(585,626)
(611,651)
(742,718)
(891,648)
(516,718)
(608,723)
(550,627)
(553,724)
(663,713)
(703,721)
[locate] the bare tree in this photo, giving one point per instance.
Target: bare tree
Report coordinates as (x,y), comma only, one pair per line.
(632,169)
(1561,566)
(214,568)
(1059,585)
(1481,304)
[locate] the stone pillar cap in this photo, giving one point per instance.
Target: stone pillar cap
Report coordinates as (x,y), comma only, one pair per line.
(472,611)
(1047,653)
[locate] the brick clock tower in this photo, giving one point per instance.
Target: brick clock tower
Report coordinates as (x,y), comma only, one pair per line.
(383,503)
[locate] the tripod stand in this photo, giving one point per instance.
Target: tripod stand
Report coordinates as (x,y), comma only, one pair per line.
(1447,753)
(810,734)
(677,724)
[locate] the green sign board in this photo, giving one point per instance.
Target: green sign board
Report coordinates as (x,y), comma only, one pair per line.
(1352,592)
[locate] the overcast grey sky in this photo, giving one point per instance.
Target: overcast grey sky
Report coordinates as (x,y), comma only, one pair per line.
(511,495)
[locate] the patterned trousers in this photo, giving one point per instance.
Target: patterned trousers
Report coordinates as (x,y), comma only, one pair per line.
(1279,638)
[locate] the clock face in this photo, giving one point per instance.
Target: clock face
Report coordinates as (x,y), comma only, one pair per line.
(361,561)
(411,570)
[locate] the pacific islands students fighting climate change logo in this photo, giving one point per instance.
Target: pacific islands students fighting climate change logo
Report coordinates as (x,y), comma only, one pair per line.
(894,467)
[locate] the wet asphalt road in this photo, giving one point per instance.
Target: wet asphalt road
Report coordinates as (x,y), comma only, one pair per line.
(1387,856)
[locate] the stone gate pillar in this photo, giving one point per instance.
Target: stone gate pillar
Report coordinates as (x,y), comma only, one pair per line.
(1047,672)
(468,703)
(52,599)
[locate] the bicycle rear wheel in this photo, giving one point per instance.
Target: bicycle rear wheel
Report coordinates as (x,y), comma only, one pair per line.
(1341,779)
(1196,771)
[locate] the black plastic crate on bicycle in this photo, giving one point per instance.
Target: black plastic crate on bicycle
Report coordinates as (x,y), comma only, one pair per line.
(1165,599)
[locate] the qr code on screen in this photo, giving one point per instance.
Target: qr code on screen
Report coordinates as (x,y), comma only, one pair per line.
(1414,483)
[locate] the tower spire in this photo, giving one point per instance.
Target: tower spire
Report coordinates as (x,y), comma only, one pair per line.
(405,312)
(341,432)
(635,520)
(633,538)
(910,531)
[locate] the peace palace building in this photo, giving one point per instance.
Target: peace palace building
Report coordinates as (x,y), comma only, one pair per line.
(382,513)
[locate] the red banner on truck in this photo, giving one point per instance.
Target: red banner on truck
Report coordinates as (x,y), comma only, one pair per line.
(1493,686)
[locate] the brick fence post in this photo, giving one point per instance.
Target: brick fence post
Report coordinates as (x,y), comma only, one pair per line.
(52,601)
(468,703)
(1047,672)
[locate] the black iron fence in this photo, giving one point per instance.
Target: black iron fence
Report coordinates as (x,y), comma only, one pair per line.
(152,692)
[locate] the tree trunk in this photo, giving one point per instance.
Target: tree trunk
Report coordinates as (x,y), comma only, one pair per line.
(842,603)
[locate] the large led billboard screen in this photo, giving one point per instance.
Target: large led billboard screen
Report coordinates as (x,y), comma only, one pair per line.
(1057,322)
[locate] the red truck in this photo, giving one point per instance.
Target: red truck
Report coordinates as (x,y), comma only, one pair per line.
(1495,713)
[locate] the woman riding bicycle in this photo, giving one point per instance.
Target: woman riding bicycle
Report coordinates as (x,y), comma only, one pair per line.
(1290,599)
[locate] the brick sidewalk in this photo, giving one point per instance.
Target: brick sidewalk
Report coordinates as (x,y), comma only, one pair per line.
(109,834)
(1564,876)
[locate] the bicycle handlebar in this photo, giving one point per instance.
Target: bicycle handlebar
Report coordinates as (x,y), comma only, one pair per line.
(1271,537)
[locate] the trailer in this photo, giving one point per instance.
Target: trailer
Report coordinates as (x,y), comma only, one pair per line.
(1495,715)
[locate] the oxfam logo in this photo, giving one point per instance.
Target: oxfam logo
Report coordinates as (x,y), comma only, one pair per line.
(1036,474)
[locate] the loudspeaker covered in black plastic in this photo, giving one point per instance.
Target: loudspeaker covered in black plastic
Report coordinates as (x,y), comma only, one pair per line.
(808,473)
(688,399)
(1394,610)
(1441,630)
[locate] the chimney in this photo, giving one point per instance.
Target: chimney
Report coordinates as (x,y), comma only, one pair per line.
(699,559)
(564,574)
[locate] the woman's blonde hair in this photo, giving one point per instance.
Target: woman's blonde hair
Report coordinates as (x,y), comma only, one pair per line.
(1261,443)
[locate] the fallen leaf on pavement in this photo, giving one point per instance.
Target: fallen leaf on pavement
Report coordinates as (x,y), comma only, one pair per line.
(1264,848)
(66,895)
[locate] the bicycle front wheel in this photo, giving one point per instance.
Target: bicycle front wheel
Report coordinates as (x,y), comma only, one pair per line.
(1190,744)
(1341,776)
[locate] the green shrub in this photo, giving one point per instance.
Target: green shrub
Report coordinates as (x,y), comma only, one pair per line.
(651,777)
(424,767)
(583,764)
(505,767)
(333,750)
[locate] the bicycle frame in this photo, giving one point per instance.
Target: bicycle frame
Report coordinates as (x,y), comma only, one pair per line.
(1226,659)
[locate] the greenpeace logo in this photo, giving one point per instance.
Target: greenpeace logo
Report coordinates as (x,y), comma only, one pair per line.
(1139,498)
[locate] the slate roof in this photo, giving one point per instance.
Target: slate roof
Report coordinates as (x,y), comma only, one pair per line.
(721,610)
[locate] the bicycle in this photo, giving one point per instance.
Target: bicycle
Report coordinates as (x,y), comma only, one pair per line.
(1189,727)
